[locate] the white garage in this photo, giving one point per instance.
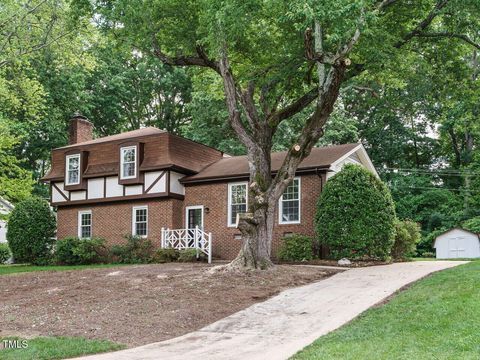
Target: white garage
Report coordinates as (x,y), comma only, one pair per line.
(457,243)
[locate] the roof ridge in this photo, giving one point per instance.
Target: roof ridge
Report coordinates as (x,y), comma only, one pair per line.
(118,136)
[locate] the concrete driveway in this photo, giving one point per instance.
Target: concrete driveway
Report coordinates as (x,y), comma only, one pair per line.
(286,323)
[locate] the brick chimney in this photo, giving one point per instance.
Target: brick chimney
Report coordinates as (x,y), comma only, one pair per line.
(80,129)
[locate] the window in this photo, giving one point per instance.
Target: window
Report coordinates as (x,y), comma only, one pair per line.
(237,201)
(72,176)
(289,207)
(140,221)
(85,224)
(128,157)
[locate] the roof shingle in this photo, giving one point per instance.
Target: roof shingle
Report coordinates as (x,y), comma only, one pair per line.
(237,166)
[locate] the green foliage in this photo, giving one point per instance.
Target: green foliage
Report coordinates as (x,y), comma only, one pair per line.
(355,215)
(187,255)
(407,235)
(472,224)
(16,183)
(165,255)
(4,253)
(137,250)
(75,251)
(417,199)
(296,248)
(31,231)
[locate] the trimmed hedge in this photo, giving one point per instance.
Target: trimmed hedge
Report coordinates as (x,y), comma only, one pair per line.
(356,215)
(296,248)
(31,231)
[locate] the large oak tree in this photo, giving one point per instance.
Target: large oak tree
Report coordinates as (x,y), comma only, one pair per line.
(276,59)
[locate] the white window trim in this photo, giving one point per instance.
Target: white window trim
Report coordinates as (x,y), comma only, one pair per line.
(122,150)
(80,213)
(280,205)
(67,159)
(229,212)
(134,213)
(193,208)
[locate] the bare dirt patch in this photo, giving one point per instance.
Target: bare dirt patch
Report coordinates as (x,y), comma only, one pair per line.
(136,305)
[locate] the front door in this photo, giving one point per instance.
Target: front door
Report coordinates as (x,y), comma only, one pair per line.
(194,218)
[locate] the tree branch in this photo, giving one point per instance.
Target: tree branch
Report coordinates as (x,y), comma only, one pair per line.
(462,37)
(295,107)
(423,24)
(231,97)
(312,130)
(201,60)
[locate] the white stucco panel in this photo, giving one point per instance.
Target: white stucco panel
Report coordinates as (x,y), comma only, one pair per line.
(78,195)
(57,195)
(96,188)
(113,187)
(133,190)
(160,185)
(175,185)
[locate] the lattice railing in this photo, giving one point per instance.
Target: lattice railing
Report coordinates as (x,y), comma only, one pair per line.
(194,238)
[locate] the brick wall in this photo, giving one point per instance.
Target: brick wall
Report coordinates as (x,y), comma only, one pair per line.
(214,196)
(113,221)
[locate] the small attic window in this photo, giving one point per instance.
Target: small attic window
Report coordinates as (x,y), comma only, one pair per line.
(128,162)
(72,176)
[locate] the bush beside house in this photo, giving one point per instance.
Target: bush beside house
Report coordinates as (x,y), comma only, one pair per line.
(407,235)
(75,251)
(296,248)
(137,250)
(356,216)
(4,253)
(31,231)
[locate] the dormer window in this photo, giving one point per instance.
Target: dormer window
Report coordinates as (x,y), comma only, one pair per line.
(128,162)
(72,169)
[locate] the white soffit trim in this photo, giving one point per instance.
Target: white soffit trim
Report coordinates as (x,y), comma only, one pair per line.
(362,154)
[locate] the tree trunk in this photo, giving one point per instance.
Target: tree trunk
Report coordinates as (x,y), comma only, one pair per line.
(257,240)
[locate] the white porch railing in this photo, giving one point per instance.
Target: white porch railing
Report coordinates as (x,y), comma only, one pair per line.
(194,238)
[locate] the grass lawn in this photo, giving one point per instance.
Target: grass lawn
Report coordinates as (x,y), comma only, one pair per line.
(436,318)
(46,348)
(12,269)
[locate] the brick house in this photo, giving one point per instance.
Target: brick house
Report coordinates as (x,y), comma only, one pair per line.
(146,180)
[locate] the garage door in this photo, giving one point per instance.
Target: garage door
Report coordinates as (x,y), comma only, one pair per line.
(456,247)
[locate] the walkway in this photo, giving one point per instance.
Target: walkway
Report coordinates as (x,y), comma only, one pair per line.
(286,323)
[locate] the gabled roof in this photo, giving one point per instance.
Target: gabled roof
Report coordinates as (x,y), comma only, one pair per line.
(452,229)
(237,166)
